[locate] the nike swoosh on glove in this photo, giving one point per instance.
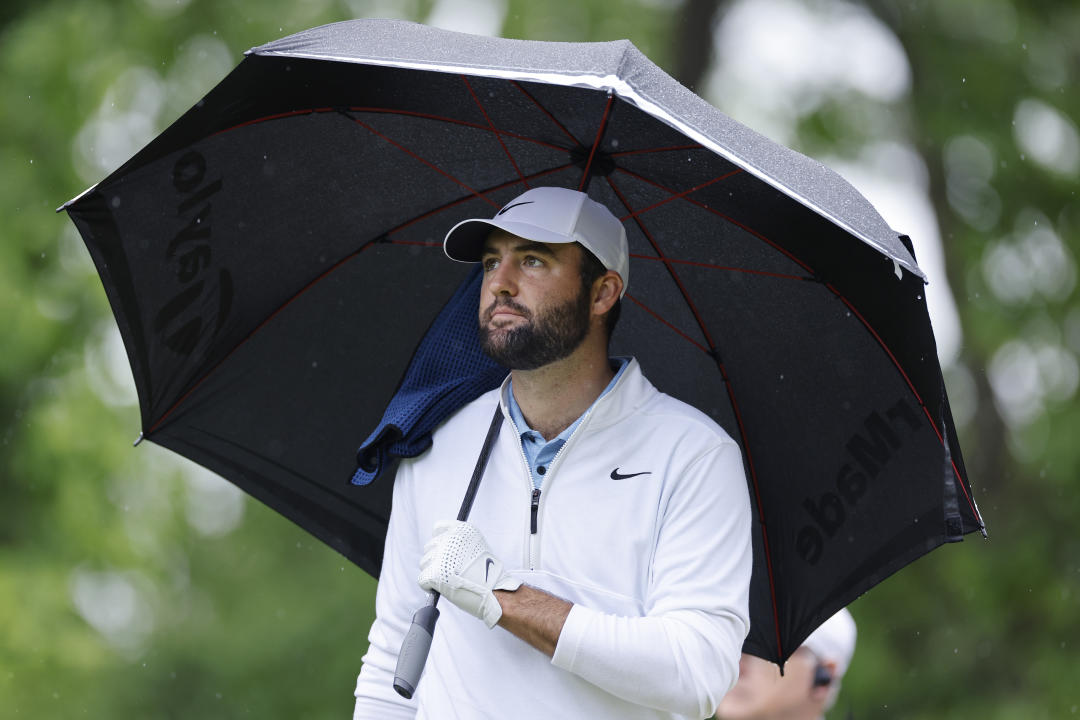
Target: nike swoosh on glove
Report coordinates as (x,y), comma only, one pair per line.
(458,565)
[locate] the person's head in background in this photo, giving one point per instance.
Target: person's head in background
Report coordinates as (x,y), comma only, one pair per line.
(809,685)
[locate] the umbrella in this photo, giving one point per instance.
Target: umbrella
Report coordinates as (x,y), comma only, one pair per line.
(273,262)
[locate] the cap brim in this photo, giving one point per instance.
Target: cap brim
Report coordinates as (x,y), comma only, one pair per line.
(465,241)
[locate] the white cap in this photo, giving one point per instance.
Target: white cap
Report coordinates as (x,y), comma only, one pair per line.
(834,641)
(548,215)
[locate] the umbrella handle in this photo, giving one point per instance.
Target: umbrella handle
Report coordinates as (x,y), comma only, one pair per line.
(414,648)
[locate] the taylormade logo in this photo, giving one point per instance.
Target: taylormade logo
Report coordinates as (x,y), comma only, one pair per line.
(197,312)
(869,452)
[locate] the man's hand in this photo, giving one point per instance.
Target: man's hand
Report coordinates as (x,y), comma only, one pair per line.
(458,565)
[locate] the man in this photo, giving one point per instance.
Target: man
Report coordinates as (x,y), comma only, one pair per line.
(610,538)
(809,685)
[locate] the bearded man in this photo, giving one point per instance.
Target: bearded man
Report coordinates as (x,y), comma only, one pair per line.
(605,567)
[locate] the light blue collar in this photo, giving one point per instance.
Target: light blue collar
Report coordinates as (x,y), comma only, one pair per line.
(538,452)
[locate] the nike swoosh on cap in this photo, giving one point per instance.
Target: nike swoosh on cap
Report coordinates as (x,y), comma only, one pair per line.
(615,475)
(508,207)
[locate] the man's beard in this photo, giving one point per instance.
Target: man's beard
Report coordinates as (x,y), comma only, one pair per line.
(552,334)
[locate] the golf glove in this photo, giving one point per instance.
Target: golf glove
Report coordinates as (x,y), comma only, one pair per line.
(458,565)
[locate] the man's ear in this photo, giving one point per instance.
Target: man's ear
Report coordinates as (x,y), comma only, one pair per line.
(824,674)
(606,291)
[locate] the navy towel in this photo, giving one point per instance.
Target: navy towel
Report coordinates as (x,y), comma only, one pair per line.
(447,371)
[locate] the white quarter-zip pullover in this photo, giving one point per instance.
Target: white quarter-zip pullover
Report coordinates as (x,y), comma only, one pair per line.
(642,521)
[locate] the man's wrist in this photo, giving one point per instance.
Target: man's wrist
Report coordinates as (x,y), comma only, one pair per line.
(535,616)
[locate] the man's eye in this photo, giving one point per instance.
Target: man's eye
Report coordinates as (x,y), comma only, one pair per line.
(532,261)
(489,264)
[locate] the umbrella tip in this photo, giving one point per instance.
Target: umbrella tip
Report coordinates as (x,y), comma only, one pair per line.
(137,440)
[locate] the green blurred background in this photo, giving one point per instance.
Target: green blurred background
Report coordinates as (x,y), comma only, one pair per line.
(135,585)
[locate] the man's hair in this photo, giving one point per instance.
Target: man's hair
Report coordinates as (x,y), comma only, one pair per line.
(591,269)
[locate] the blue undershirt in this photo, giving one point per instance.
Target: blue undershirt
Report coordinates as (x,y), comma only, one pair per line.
(538,452)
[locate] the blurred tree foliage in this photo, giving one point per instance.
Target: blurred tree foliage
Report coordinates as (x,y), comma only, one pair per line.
(133,585)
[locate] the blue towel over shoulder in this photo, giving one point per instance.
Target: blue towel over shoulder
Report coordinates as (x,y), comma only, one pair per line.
(447,371)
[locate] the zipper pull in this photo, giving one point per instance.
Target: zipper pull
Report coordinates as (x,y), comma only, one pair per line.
(535,508)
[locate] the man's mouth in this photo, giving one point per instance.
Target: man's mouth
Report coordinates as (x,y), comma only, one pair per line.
(504,312)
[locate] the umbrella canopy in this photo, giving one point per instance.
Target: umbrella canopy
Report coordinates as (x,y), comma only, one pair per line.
(273,261)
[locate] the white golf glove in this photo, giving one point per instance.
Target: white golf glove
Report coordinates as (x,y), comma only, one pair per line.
(458,565)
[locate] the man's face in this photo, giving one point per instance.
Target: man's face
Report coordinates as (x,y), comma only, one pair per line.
(761,692)
(533,308)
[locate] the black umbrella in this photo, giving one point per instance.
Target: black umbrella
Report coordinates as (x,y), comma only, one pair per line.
(273,260)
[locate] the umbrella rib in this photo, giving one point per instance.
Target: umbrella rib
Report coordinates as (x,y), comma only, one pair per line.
(684,193)
(596,143)
(413,155)
(276,116)
(390,111)
(670,269)
(495,132)
(659,317)
(911,386)
(670,148)
(547,112)
(453,203)
(757,497)
(257,328)
(714,211)
(454,121)
(714,353)
(731,268)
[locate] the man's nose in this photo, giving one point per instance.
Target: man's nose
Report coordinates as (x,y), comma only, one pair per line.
(502,280)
